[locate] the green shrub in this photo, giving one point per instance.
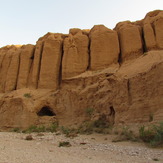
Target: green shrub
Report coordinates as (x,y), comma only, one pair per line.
(27,95)
(152,135)
(99,126)
(89,111)
(51,128)
(16,130)
(64,144)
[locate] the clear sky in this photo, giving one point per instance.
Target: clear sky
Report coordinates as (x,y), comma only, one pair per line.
(24,21)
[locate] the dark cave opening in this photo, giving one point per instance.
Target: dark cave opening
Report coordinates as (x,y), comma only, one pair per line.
(112,111)
(46,111)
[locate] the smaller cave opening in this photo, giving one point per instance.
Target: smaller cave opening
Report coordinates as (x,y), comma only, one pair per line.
(112,115)
(112,111)
(46,111)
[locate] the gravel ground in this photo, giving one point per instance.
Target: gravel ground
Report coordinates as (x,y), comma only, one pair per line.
(84,149)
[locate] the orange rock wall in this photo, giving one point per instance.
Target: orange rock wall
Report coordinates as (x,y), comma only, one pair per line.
(57,57)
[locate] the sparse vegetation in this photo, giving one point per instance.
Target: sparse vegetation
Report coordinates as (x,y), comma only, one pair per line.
(155,159)
(27,95)
(64,144)
(151,117)
(125,135)
(99,126)
(89,111)
(69,132)
(152,135)
(51,128)
(16,130)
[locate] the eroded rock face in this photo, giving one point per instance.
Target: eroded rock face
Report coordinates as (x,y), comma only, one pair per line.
(13,69)
(130,40)
(37,63)
(129,95)
(152,25)
(9,58)
(51,62)
(76,57)
(149,37)
(104,47)
(26,58)
(158,24)
(87,62)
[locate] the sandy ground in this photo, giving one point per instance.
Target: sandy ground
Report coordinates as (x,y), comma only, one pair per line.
(85,149)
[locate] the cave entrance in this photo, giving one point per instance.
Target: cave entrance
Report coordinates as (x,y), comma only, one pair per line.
(46,111)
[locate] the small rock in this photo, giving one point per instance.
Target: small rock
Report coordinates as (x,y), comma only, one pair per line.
(29,137)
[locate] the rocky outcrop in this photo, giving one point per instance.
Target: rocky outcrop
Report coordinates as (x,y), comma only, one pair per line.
(149,37)
(37,64)
(58,57)
(152,29)
(12,73)
(51,62)
(76,54)
(114,72)
(130,40)
(104,47)
(131,94)
(26,58)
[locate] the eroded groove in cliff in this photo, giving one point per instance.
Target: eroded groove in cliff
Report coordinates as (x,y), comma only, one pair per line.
(29,78)
(143,41)
(89,54)
(18,71)
(60,68)
(39,65)
(120,53)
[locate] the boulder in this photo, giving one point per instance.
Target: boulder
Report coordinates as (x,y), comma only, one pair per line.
(76,54)
(51,62)
(104,47)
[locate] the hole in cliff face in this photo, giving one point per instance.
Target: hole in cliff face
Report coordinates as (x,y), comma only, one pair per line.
(46,111)
(112,111)
(112,114)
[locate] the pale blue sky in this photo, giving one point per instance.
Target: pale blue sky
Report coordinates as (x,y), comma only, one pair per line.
(24,21)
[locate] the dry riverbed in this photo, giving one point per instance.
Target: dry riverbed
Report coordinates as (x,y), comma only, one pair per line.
(95,148)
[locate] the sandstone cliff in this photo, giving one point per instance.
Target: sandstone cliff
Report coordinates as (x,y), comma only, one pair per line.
(116,72)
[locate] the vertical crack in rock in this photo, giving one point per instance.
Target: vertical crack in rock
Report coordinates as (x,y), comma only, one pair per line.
(60,68)
(29,78)
(143,41)
(18,70)
(89,53)
(39,66)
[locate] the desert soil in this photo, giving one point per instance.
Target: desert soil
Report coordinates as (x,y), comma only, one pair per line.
(95,148)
